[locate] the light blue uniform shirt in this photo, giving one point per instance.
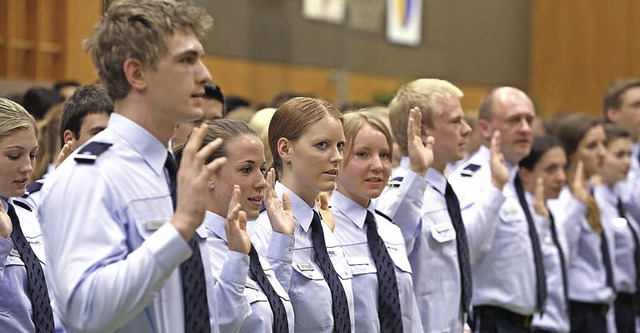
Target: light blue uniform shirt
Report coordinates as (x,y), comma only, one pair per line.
(503,269)
(629,189)
(251,312)
(586,271)
(113,254)
(309,292)
(556,315)
(15,306)
(623,245)
(351,233)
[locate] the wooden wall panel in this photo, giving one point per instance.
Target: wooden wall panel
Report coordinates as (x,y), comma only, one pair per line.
(578,48)
(82,16)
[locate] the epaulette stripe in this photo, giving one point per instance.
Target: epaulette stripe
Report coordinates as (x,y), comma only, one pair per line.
(383,215)
(89,153)
(22,204)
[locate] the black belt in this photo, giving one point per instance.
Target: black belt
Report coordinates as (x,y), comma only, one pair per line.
(496,312)
(630,300)
(598,308)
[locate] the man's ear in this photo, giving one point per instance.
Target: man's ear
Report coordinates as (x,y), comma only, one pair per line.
(68,136)
(284,150)
(612,115)
(135,73)
(486,130)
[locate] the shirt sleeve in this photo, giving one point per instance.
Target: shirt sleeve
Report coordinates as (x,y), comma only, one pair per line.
(233,308)
(569,214)
(98,281)
(280,257)
(404,204)
(481,219)
(5,248)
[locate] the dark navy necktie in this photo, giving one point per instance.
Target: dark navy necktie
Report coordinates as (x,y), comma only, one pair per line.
(462,246)
(563,266)
(636,242)
(339,303)
(389,312)
(37,288)
(541,280)
(194,287)
(280,323)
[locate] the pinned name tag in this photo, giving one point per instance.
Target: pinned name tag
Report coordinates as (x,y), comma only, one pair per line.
(619,222)
(443,227)
(14,253)
(155,224)
(306,267)
(510,208)
(353,261)
(331,253)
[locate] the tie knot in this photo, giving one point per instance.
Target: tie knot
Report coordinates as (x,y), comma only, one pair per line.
(370,220)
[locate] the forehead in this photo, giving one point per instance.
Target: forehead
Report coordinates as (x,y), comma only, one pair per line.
(512,103)
(619,143)
(594,133)
(631,95)
(555,155)
(370,135)
(18,137)
(243,145)
(327,127)
(181,41)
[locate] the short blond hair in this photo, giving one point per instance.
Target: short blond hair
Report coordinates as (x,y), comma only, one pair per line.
(354,121)
(137,29)
(422,93)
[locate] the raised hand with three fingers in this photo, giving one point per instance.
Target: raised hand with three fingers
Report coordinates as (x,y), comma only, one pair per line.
(499,171)
(420,153)
(280,214)
(236,225)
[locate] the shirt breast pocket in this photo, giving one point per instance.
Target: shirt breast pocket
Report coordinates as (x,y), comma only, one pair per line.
(270,274)
(443,232)
(253,293)
(361,265)
(399,257)
(310,297)
(149,215)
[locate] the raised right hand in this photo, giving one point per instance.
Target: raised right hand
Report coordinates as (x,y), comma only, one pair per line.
(579,187)
(499,171)
(539,202)
(193,177)
(420,154)
(5,223)
(280,214)
(236,225)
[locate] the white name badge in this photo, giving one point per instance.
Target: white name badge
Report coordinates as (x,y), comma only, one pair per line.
(619,222)
(14,253)
(306,267)
(358,261)
(155,224)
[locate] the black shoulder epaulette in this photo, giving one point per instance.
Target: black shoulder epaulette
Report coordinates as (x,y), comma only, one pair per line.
(89,153)
(395,182)
(22,204)
(469,170)
(384,215)
(32,188)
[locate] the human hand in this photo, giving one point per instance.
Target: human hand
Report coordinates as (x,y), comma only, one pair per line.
(539,202)
(5,223)
(322,201)
(420,154)
(236,225)
(66,150)
(192,181)
(499,171)
(280,214)
(579,187)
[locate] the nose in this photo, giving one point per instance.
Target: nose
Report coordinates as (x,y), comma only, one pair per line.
(562,177)
(336,155)
(466,129)
(376,163)
(525,125)
(27,164)
(261,183)
(203,73)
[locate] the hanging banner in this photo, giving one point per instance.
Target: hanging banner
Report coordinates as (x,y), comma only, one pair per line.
(332,11)
(404,22)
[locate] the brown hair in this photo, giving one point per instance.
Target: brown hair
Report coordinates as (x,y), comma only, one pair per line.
(226,129)
(613,94)
(292,118)
(137,29)
(571,129)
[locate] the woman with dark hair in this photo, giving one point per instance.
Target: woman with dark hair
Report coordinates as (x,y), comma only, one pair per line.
(236,193)
(589,240)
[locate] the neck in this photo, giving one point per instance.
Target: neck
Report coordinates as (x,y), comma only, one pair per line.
(307,195)
(137,110)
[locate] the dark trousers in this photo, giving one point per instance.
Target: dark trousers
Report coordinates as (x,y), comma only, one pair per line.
(588,317)
(625,310)
(491,319)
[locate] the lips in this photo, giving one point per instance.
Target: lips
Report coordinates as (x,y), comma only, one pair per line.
(332,172)
(255,200)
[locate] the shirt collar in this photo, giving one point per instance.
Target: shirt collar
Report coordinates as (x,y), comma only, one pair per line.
(351,209)
(142,141)
(215,223)
(405,162)
(437,180)
(302,213)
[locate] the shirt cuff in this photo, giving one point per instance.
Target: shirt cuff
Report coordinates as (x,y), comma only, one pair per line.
(235,268)
(168,247)
(5,249)
(281,247)
(495,198)
(413,185)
